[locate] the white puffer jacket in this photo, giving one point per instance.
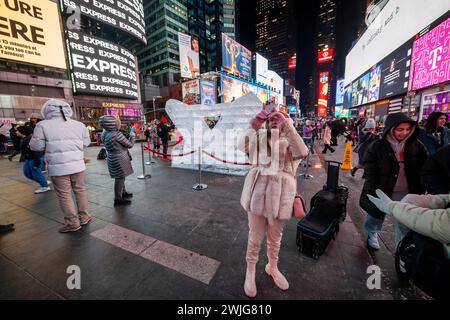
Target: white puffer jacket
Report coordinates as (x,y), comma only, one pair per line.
(428,215)
(62,139)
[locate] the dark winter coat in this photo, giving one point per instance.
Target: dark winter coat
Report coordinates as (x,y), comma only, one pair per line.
(435,174)
(163,132)
(14,138)
(365,141)
(426,137)
(381,167)
(26,152)
(116,145)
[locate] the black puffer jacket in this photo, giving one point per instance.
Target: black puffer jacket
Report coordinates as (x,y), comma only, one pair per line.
(381,167)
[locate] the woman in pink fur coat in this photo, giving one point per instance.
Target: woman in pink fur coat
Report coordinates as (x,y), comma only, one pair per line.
(276,149)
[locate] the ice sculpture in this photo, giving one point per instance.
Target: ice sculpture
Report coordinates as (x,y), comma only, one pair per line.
(221,140)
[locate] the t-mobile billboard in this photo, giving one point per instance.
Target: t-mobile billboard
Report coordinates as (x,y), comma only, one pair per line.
(431,57)
(100,67)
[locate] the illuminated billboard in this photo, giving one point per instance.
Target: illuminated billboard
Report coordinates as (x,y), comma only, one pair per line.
(292,63)
(262,67)
(431,57)
(208,92)
(32,34)
(189,56)
(125,15)
(236,59)
(325,55)
(233,89)
(100,67)
(191,92)
(324,79)
(340,92)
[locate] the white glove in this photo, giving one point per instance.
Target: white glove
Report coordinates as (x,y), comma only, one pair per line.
(382,202)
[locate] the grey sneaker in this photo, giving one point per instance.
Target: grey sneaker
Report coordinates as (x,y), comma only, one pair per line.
(84,219)
(68,228)
(372,241)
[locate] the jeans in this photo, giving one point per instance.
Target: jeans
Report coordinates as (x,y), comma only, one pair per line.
(33,172)
(309,143)
(373,225)
(119,188)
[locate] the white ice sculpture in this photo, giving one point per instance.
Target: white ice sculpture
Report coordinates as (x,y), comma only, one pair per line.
(221,141)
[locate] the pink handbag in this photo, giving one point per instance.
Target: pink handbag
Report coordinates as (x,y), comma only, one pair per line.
(299,208)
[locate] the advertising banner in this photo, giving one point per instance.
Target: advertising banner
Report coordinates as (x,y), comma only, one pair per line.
(262,67)
(340,92)
(323,93)
(189,56)
(191,92)
(431,57)
(276,82)
(32,35)
(5,125)
(233,89)
(341,112)
(292,63)
(236,59)
(207,93)
(325,55)
(125,15)
(100,67)
(374,84)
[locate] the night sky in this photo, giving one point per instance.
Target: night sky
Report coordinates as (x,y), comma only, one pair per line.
(305,14)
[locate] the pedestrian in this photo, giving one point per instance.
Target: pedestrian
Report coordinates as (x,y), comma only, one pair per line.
(392,164)
(15,140)
(119,158)
(368,135)
(154,137)
(269,189)
(327,138)
(64,141)
(35,118)
(164,135)
(308,135)
(435,135)
(33,159)
(435,175)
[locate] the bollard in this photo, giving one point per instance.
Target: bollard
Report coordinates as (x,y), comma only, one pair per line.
(143,176)
(199,186)
(150,156)
(306,174)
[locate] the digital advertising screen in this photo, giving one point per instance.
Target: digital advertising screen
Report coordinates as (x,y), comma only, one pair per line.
(99,67)
(374,84)
(126,15)
(341,112)
(325,55)
(431,57)
(340,92)
(189,49)
(233,89)
(32,36)
(324,79)
(262,68)
(191,92)
(236,59)
(208,93)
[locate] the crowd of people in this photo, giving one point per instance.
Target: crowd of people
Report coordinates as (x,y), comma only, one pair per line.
(406,171)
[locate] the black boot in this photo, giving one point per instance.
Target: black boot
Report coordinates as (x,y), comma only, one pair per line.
(6,228)
(122,202)
(127,195)
(354,171)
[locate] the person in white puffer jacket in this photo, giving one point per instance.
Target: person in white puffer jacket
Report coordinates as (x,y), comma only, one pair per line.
(64,141)
(428,215)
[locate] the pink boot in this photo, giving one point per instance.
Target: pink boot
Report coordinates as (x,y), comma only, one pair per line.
(278,278)
(250,283)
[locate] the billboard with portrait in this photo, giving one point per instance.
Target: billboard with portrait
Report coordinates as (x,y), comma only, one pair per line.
(208,93)
(431,57)
(236,59)
(340,92)
(100,67)
(32,36)
(191,92)
(189,56)
(125,15)
(374,83)
(233,89)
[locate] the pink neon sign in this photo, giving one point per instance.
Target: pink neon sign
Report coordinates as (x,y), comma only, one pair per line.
(430,63)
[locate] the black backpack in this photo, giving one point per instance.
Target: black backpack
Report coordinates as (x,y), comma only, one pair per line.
(423,260)
(102,154)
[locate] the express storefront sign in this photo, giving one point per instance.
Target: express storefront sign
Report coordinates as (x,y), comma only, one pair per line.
(91,111)
(100,67)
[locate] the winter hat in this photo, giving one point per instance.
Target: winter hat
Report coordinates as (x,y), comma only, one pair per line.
(25,130)
(35,115)
(308,122)
(370,124)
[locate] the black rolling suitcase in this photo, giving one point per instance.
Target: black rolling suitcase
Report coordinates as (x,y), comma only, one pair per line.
(321,224)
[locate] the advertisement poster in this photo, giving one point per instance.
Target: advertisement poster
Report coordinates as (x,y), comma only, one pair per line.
(101,67)
(323,93)
(341,112)
(124,15)
(5,125)
(431,57)
(340,92)
(374,84)
(236,59)
(348,96)
(362,90)
(395,72)
(354,94)
(191,92)
(325,55)
(233,89)
(207,93)
(189,56)
(262,68)
(34,37)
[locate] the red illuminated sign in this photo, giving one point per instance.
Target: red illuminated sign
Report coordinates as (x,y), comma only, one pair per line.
(292,63)
(325,55)
(324,79)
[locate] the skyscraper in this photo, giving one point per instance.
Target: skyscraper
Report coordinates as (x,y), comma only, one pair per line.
(276,35)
